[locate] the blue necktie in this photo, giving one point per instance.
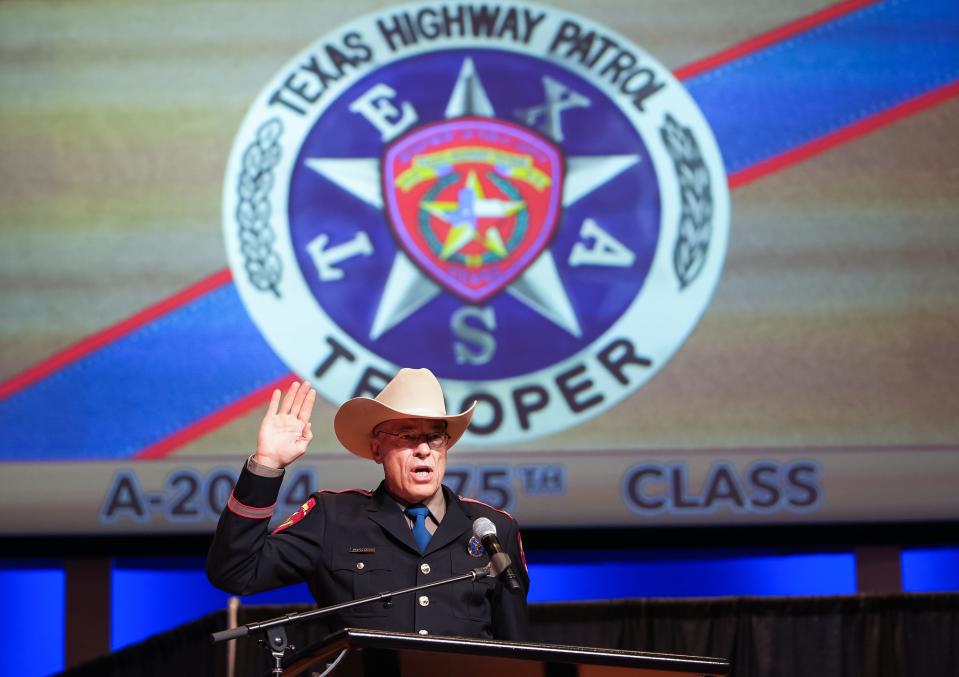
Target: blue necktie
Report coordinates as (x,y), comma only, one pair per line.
(418,514)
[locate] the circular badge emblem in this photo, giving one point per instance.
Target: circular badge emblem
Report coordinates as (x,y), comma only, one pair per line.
(515,197)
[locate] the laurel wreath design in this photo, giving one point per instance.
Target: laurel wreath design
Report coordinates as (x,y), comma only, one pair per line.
(696,194)
(263,266)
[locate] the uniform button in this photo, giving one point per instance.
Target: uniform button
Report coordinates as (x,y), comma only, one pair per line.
(425,568)
(423,632)
(360,565)
(424,600)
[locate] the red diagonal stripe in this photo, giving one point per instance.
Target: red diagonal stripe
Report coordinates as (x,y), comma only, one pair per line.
(843,135)
(122,328)
(214,420)
(769,38)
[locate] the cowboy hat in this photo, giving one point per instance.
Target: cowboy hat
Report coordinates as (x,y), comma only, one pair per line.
(413,393)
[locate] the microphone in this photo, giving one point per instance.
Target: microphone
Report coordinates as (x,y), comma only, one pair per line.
(485,532)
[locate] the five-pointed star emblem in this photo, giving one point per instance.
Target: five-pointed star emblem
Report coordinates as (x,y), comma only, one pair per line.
(463,217)
(407,288)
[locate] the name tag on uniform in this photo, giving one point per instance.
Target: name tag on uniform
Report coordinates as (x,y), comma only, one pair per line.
(365,550)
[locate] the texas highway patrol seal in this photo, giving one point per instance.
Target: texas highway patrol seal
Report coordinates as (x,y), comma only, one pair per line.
(514,196)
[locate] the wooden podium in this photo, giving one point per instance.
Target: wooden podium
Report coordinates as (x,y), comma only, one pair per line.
(374,653)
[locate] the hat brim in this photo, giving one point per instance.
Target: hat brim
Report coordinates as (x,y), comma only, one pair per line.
(355,420)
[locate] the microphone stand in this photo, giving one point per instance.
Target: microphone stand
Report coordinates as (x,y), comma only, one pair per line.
(275,627)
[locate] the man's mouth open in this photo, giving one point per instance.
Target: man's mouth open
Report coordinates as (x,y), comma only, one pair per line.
(422,472)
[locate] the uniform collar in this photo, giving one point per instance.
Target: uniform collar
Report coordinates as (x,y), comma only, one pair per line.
(436,504)
(386,511)
(454,523)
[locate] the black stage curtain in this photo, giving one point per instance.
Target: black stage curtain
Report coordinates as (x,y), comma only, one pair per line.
(184,651)
(864,635)
(903,635)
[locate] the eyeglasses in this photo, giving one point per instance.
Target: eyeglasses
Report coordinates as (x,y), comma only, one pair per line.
(434,440)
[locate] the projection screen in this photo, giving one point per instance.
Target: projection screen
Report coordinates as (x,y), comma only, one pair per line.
(696,262)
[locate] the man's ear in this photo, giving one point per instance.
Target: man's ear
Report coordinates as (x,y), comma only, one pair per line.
(375,450)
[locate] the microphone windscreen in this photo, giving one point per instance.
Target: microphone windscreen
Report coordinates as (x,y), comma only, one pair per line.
(483,527)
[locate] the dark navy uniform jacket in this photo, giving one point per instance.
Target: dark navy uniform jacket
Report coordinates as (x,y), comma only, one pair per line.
(353,544)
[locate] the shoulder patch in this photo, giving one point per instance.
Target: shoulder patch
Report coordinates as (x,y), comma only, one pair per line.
(473,500)
(297,516)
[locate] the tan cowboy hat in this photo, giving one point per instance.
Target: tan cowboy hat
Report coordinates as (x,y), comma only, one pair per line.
(413,393)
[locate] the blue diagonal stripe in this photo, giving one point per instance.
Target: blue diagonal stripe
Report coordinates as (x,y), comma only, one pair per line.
(829,77)
(143,387)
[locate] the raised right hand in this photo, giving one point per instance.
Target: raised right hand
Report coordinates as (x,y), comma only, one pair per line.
(285,431)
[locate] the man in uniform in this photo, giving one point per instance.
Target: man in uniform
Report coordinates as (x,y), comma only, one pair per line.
(354,543)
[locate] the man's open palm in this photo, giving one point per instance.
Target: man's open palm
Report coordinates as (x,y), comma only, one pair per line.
(285,431)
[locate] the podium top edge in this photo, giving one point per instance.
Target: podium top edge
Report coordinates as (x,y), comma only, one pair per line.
(554,653)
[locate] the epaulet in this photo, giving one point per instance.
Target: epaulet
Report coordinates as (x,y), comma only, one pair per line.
(362,492)
(473,500)
(310,504)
